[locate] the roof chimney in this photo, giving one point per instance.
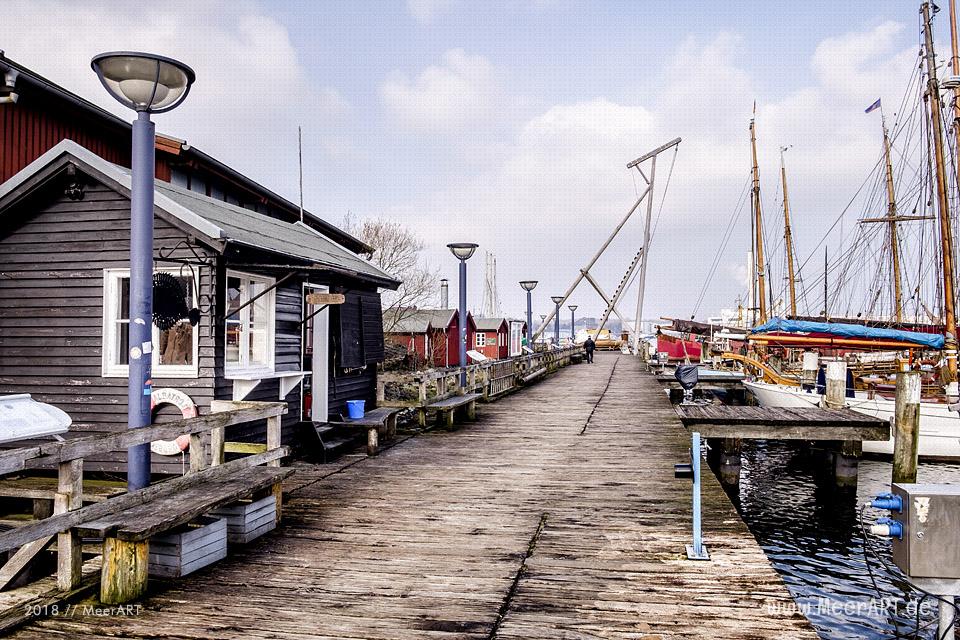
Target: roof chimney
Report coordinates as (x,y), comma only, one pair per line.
(444,294)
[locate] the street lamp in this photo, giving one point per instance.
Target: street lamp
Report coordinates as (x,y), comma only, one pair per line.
(573,321)
(463,251)
(147,84)
(556,318)
(528,286)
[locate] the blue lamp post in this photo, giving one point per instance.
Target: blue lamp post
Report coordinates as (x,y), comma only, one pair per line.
(573,321)
(463,251)
(529,286)
(147,84)
(557,300)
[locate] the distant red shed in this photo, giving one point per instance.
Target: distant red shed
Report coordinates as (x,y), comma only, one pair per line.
(430,333)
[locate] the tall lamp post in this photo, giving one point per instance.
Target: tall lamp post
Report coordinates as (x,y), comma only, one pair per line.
(147,84)
(573,321)
(529,286)
(463,251)
(556,319)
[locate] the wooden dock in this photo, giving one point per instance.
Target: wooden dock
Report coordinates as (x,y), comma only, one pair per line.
(782,423)
(555,515)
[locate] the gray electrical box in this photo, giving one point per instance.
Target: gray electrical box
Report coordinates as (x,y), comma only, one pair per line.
(930,547)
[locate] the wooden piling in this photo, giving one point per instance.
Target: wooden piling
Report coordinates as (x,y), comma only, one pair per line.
(835,397)
(123,577)
(906,427)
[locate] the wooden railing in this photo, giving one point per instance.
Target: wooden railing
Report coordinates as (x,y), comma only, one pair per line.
(68,455)
(491,379)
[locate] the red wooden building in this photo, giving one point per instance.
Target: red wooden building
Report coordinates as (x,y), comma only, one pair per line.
(431,334)
(492,338)
(36,114)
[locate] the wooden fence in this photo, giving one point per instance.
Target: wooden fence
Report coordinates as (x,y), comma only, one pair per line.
(491,379)
(67,492)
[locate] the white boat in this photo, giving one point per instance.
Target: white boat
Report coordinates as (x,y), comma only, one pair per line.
(939,427)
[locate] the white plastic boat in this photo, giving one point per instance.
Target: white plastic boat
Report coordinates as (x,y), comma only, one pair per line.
(939,427)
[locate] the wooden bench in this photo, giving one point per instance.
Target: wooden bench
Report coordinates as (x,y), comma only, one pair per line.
(126,533)
(379,420)
(447,407)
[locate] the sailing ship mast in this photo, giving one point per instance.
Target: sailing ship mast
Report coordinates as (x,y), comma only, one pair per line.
(892,219)
(788,237)
(758,226)
(949,373)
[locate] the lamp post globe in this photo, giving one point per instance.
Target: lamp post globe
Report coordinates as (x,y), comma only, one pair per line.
(145,83)
(557,300)
(529,286)
(573,321)
(463,251)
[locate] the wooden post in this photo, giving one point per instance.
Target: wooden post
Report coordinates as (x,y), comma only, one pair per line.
(372,441)
(123,577)
(835,398)
(69,546)
(906,427)
(274,432)
(218,435)
(381,391)
(198,458)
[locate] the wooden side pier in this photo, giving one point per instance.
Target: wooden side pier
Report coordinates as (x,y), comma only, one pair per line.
(782,423)
(555,515)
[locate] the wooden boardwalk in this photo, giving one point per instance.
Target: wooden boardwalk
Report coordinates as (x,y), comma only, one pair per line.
(556,515)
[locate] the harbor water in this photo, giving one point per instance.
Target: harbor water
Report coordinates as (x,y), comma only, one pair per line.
(810,529)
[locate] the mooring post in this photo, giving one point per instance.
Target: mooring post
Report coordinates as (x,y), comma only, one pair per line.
(846,464)
(696,551)
(906,427)
(835,397)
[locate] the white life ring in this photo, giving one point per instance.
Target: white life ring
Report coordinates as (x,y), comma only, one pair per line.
(187,409)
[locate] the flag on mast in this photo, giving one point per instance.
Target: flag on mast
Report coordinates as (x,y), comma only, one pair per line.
(875,105)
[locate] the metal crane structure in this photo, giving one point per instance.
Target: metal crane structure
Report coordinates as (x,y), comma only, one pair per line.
(647,161)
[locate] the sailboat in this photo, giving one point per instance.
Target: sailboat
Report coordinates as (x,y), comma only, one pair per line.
(939,426)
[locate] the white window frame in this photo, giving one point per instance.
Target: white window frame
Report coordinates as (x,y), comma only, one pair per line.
(481,339)
(110,367)
(232,370)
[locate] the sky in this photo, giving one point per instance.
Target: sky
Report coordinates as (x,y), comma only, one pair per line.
(510,124)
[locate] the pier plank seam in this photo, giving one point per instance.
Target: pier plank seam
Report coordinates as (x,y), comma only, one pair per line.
(424,540)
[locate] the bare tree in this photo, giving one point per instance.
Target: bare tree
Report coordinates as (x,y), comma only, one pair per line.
(399,252)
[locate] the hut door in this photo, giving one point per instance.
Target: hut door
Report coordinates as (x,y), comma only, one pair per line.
(316,333)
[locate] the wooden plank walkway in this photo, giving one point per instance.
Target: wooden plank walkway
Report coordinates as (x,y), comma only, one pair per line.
(556,515)
(782,423)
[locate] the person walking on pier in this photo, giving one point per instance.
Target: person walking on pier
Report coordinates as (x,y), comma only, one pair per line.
(589,346)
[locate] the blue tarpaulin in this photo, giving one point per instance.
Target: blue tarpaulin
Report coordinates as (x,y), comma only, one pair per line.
(931,340)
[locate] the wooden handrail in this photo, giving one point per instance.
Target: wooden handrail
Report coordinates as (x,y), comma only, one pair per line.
(77,448)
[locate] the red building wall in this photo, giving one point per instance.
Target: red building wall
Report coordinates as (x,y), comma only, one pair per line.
(31,127)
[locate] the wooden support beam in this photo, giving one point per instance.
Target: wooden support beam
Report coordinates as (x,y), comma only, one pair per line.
(19,561)
(123,577)
(274,432)
(69,545)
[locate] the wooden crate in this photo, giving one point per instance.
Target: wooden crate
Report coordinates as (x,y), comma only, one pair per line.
(187,548)
(248,519)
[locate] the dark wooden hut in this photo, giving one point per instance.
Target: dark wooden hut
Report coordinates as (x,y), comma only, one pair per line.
(64,255)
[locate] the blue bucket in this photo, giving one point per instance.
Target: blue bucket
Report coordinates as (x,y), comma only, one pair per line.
(355,409)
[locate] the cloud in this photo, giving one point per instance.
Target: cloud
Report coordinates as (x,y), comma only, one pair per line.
(424,11)
(549,201)
(444,98)
(251,91)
